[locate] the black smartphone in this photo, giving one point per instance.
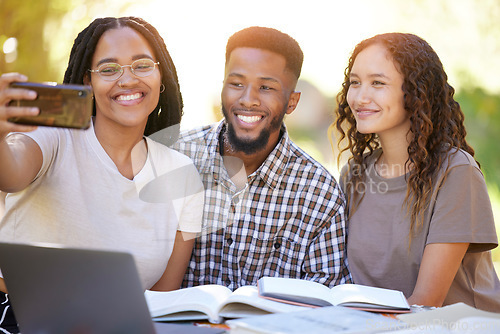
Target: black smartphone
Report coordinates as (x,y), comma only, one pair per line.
(64,105)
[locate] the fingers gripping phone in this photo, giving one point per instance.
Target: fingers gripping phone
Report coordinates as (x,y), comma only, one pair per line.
(68,106)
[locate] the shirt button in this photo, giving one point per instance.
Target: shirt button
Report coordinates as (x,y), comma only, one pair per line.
(277,245)
(236,200)
(229,241)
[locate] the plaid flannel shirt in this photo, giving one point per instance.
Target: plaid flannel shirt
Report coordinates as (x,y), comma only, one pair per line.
(288,221)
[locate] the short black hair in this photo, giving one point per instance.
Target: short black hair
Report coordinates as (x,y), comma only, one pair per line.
(168,112)
(268,39)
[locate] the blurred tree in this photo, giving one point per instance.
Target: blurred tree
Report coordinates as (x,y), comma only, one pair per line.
(25,21)
(308,124)
(482,121)
(45,31)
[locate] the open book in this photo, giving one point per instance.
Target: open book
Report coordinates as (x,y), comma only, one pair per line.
(320,320)
(455,318)
(312,294)
(211,302)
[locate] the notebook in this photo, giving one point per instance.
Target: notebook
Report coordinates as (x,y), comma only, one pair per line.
(55,289)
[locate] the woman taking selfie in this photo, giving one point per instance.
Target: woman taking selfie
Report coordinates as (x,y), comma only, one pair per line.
(420,219)
(83,188)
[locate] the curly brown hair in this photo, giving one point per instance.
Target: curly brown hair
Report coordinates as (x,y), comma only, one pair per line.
(437,121)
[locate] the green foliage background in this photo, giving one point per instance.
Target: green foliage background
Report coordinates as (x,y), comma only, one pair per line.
(30,22)
(482,120)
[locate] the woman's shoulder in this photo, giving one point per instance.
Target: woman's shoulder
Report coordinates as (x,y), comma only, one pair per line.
(52,139)
(161,152)
(174,167)
(459,163)
(456,157)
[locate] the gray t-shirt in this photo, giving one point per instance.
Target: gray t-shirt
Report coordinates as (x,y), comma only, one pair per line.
(459,211)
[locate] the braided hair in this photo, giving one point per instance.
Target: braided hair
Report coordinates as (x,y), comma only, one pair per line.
(168,112)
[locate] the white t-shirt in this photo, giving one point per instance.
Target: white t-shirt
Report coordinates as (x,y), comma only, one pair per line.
(79,199)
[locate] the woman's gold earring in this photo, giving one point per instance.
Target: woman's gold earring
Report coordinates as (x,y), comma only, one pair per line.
(162,88)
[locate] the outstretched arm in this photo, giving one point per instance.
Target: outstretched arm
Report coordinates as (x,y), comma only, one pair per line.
(439,266)
(20,157)
(177,264)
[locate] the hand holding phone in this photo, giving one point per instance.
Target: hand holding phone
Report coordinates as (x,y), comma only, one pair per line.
(6,95)
(64,105)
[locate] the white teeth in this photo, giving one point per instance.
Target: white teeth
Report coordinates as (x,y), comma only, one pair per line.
(249,119)
(129,97)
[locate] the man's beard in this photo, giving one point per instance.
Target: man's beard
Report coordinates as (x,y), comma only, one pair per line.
(251,146)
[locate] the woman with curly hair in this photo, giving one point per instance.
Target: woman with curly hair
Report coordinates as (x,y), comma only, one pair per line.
(420,219)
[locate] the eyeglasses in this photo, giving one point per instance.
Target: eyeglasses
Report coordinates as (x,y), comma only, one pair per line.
(113,71)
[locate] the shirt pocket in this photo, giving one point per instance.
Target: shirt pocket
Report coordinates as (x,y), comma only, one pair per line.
(274,256)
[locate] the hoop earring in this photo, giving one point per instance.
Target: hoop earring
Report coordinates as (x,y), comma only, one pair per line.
(162,88)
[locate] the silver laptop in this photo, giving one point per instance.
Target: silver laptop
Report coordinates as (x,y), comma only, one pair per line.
(69,290)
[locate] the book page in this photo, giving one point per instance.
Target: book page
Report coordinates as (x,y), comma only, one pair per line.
(482,325)
(356,295)
(294,290)
(444,316)
(245,301)
(205,299)
(322,320)
(466,325)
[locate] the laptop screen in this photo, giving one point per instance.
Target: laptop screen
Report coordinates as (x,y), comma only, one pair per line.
(67,290)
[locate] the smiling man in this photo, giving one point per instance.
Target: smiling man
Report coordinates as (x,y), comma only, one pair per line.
(270,209)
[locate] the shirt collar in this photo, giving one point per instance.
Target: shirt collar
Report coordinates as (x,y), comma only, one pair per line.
(214,162)
(271,170)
